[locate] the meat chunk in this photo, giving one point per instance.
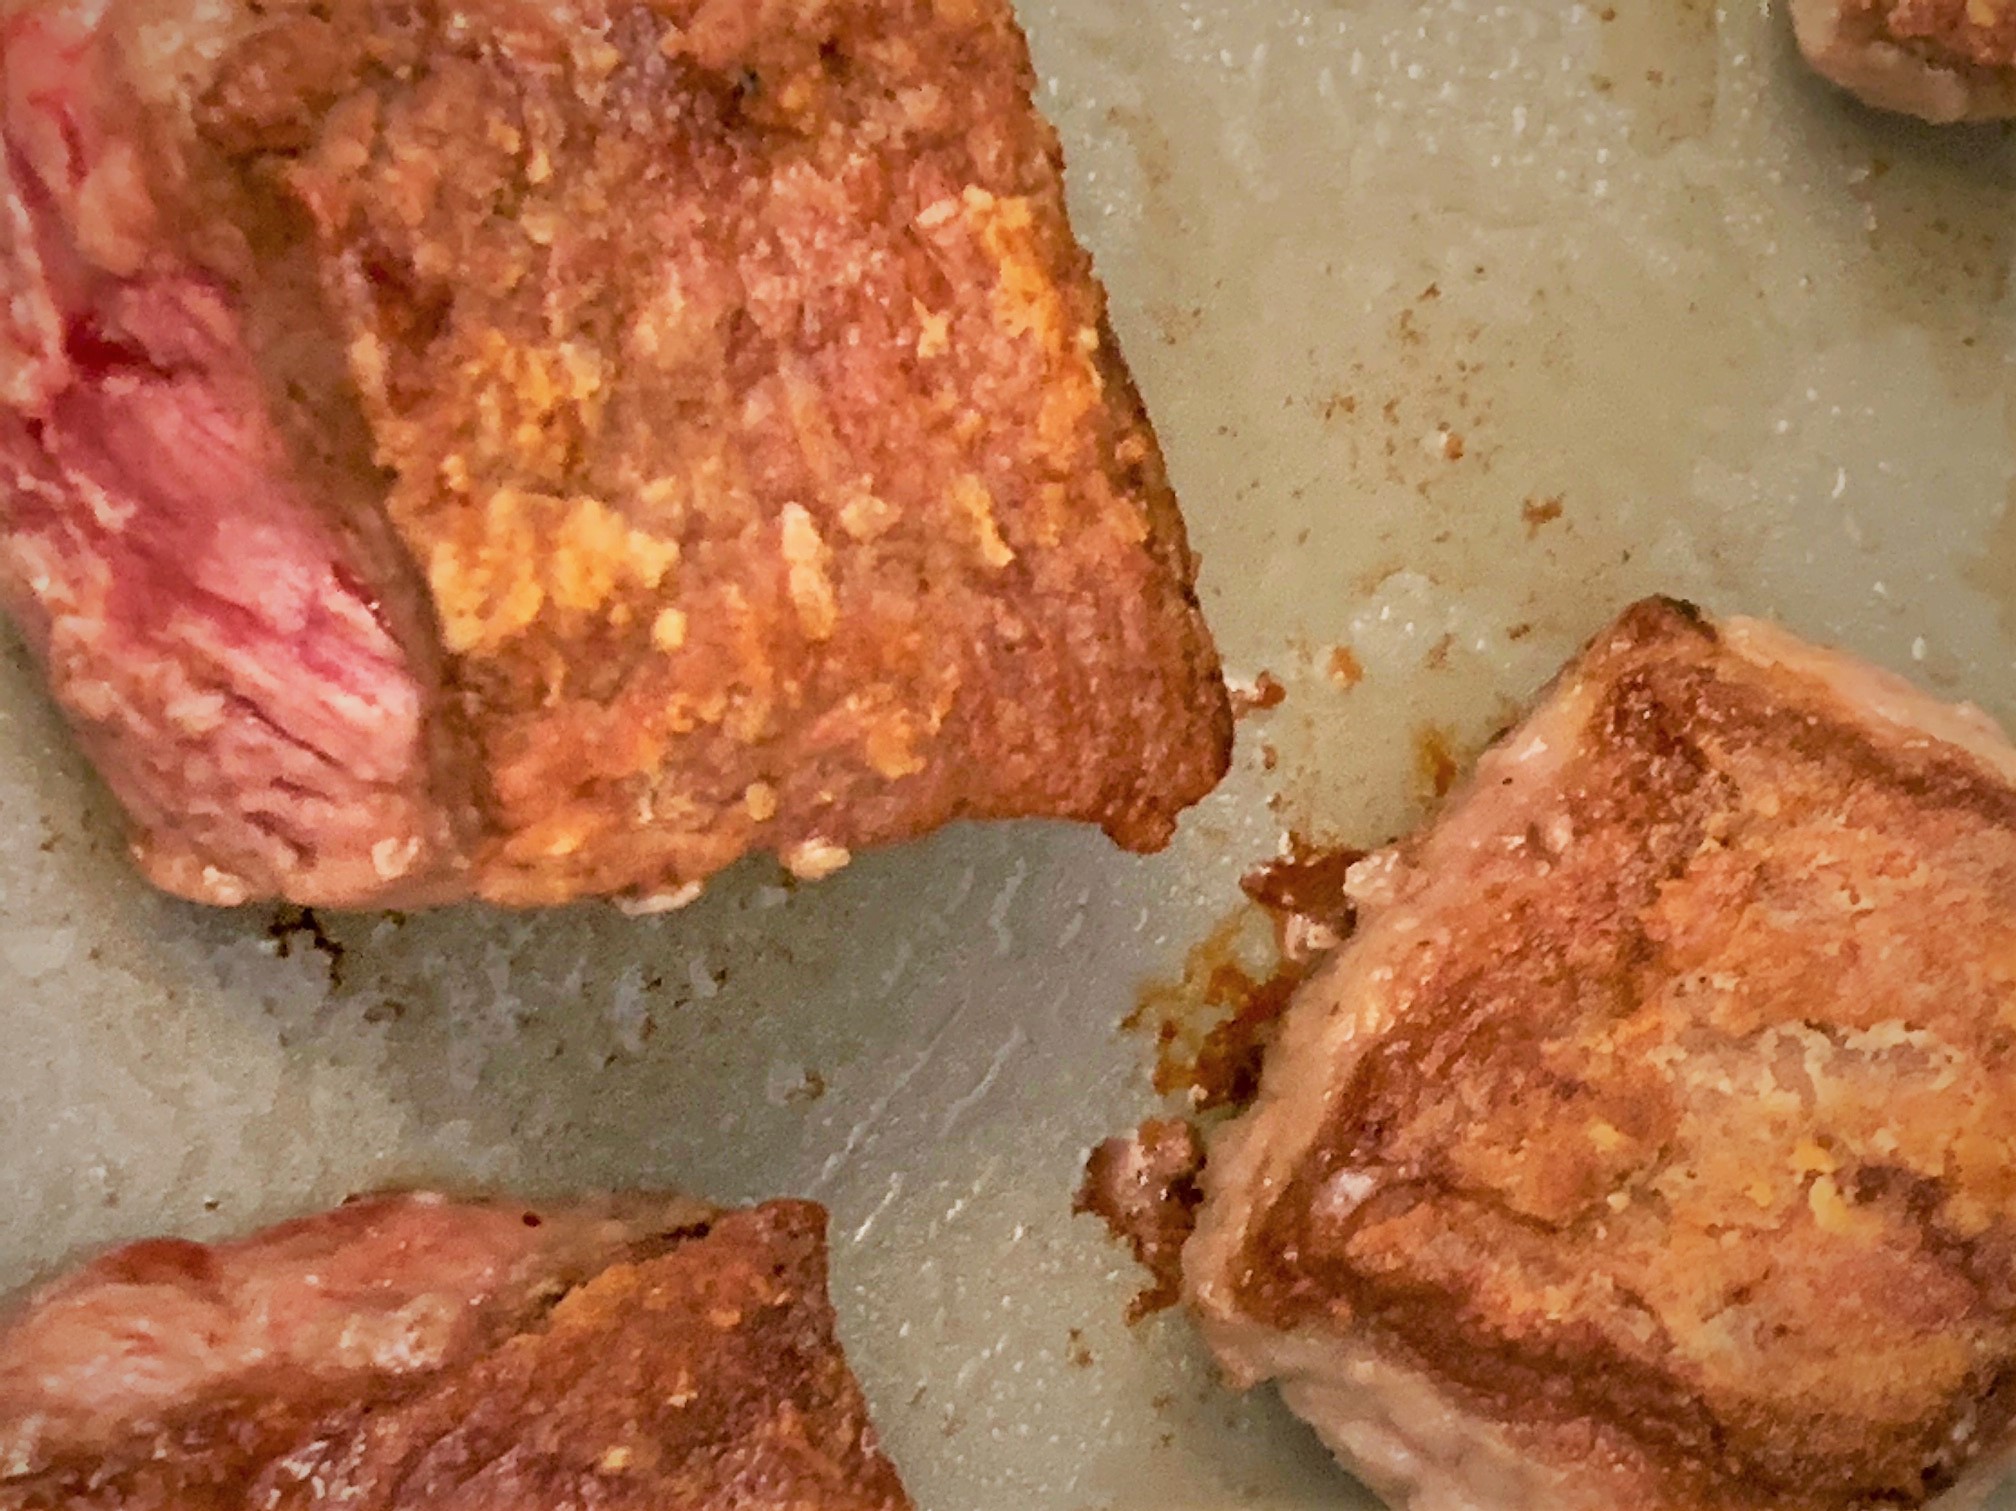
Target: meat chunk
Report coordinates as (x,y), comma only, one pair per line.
(413,1352)
(1650,1143)
(1940,60)
(527,451)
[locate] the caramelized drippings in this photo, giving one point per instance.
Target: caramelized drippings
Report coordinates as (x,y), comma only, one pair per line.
(1143,1186)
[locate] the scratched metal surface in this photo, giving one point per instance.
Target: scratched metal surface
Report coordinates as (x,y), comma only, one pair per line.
(1463,324)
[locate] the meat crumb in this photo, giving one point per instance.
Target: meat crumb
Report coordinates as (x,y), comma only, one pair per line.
(1304,891)
(1539,512)
(1143,1186)
(1267,692)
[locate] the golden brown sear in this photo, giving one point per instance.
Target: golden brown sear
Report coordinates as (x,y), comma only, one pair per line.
(1651,1143)
(751,413)
(688,428)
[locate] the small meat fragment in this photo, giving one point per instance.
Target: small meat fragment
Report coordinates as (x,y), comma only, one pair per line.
(534,451)
(1143,1186)
(1940,60)
(1650,1142)
(1267,693)
(409,1353)
(1306,890)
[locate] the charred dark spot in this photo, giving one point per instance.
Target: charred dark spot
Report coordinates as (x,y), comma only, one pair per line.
(295,928)
(95,350)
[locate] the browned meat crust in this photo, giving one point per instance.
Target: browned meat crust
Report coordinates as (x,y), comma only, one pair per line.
(728,373)
(463,1361)
(1657,1124)
(1943,60)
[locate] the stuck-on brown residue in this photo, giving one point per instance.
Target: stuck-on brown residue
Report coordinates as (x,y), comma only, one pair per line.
(1434,761)
(1267,692)
(1540,512)
(1307,883)
(1346,670)
(1212,1025)
(1212,1028)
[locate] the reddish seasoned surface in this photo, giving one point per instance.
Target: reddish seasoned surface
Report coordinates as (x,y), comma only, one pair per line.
(414,1352)
(1660,1111)
(544,450)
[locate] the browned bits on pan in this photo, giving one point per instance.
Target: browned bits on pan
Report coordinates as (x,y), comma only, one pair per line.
(1143,1186)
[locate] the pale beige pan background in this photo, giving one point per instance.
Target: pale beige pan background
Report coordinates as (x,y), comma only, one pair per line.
(1755,342)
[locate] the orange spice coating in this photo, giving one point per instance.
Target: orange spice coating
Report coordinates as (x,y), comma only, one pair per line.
(703,404)
(753,419)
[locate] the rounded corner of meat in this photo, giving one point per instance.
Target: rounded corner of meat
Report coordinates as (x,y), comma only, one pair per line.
(1647,1144)
(412,1351)
(535,451)
(1944,61)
